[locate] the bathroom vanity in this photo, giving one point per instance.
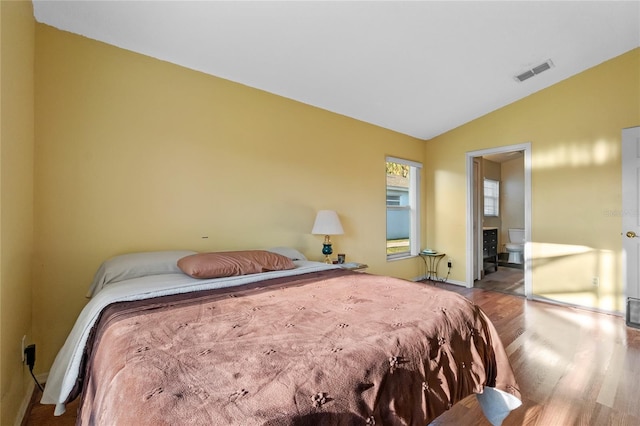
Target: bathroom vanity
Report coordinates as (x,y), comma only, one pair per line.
(490,249)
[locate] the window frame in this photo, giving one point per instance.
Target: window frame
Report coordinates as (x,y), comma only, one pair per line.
(413,208)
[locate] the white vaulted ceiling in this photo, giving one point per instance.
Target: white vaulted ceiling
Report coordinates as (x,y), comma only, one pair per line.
(420,68)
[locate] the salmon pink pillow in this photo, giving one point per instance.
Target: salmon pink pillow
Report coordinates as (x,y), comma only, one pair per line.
(231,263)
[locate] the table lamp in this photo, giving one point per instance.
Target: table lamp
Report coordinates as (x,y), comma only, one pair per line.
(327,223)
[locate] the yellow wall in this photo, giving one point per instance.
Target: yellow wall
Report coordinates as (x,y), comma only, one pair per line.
(16,200)
(133,153)
(575,132)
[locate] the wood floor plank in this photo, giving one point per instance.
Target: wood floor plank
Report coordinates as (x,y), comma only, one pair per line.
(574,367)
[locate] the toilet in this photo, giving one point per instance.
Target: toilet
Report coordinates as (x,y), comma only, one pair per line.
(515,246)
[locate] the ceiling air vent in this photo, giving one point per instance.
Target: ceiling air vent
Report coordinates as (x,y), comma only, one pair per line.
(534,71)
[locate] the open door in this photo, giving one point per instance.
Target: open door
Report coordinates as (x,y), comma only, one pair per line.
(631,222)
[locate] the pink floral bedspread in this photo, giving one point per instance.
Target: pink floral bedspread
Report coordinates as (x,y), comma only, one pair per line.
(333,347)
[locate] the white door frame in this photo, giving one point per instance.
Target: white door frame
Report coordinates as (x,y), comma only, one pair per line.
(477,213)
(526,147)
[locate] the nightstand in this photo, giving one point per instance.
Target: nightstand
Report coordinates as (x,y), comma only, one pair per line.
(431,261)
(354,266)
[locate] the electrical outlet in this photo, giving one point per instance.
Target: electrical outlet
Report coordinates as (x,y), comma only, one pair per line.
(30,355)
(22,348)
(595,281)
(449,264)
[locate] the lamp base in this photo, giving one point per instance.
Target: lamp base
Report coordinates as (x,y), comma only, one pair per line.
(326,249)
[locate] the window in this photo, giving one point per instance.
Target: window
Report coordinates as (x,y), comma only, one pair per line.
(403,213)
(393,200)
(491,197)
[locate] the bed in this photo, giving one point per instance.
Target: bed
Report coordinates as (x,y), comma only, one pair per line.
(297,343)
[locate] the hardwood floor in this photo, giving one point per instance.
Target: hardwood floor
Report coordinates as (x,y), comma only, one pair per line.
(505,280)
(574,367)
(42,415)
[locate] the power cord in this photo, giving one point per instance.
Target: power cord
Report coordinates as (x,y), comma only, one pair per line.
(444,280)
(30,359)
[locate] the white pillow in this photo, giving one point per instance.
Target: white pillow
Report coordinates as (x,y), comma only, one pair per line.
(134,265)
(289,252)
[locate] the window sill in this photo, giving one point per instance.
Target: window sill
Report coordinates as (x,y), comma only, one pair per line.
(402,257)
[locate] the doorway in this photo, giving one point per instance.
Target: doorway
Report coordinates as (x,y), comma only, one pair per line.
(630,226)
(502,277)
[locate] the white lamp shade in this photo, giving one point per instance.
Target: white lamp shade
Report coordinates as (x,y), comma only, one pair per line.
(327,223)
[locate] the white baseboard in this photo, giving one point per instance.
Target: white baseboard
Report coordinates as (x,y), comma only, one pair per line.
(455,282)
(42,377)
(26,399)
(24,405)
